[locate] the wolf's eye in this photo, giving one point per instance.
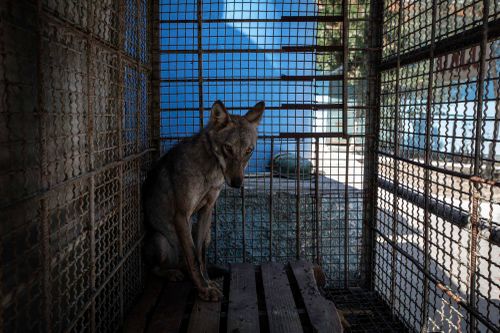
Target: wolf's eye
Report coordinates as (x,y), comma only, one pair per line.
(228,148)
(249,150)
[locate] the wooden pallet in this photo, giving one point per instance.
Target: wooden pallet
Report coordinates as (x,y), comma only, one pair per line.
(267,298)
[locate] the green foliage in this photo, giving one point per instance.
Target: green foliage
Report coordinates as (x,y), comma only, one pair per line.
(330,34)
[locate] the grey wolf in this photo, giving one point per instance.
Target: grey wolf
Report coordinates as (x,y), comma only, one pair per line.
(186,182)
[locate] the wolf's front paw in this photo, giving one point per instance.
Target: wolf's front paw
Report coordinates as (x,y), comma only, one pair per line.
(210,294)
(214,284)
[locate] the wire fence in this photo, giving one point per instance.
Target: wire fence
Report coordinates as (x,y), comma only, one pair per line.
(437,211)
(75,139)
(307,61)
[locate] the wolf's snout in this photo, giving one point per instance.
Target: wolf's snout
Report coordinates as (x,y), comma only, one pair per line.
(236,182)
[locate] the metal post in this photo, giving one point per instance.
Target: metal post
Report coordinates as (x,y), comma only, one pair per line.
(476,188)
(297,203)
(271,201)
(374,31)
(395,208)
(199,14)
(427,180)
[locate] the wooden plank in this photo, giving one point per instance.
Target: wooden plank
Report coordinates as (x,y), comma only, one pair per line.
(322,312)
(243,311)
(167,316)
(281,309)
(205,316)
(136,319)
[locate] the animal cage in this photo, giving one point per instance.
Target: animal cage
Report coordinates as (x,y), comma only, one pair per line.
(378,156)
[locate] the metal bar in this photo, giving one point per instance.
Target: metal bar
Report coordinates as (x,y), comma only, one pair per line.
(259,79)
(476,188)
(44,218)
(395,208)
(311,106)
(271,201)
(283,49)
(372,125)
(430,167)
(291,136)
(346,218)
(270,108)
(427,180)
(345,62)
(318,202)
(199,9)
(320,18)
(297,203)
(156,75)
(90,133)
(436,207)
(324,18)
(446,46)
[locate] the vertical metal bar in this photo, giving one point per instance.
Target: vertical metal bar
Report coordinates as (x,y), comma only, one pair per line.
(297,203)
(44,218)
(199,13)
(345,63)
(90,133)
(427,180)
(271,202)
(243,218)
(476,190)
(317,203)
(396,165)
(346,217)
(374,32)
(155,84)
(138,73)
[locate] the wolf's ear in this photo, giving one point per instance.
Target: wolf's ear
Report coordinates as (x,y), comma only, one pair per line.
(218,114)
(255,114)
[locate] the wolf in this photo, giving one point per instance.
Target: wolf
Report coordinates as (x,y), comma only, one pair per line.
(186,182)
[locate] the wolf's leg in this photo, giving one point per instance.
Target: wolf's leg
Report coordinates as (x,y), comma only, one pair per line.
(201,233)
(205,292)
(163,256)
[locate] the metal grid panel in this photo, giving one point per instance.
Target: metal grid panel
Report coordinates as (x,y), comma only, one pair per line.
(438,213)
(76,138)
(308,61)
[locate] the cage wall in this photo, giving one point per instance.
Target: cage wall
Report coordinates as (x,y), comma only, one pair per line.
(437,221)
(76,133)
(308,61)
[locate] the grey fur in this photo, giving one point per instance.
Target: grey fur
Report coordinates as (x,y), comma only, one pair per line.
(187,180)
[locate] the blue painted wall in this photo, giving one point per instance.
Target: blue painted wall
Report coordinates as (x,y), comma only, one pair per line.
(237,94)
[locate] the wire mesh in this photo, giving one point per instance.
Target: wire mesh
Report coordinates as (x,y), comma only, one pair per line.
(75,140)
(304,59)
(436,256)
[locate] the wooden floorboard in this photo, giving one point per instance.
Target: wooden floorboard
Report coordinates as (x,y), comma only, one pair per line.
(290,300)
(243,311)
(322,312)
(136,320)
(169,312)
(281,309)
(205,316)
